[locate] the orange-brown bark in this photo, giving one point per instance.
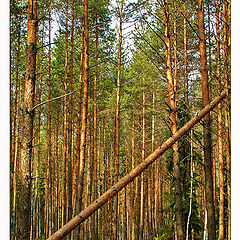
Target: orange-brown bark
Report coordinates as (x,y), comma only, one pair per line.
(24,178)
(211,223)
(173,125)
(220,133)
(84,108)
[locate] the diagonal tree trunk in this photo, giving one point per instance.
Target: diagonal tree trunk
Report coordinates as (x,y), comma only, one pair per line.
(113,191)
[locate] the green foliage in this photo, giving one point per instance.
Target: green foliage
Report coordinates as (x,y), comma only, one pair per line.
(165,233)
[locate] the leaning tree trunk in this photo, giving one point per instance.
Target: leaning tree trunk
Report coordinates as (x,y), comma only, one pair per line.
(24,178)
(172,105)
(113,191)
(211,223)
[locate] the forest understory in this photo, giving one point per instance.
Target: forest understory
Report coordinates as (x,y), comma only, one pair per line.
(120,119)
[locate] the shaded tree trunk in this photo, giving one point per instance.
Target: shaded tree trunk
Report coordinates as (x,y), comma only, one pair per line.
(211,222)
(65,109)
(15,136)
(117,123)
(70,120)
(49,131)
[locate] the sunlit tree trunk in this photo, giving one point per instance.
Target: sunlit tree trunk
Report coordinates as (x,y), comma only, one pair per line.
(78,129)
(153,169)
(25,176)
(220,133)
(227,106)
(84,110)
(132,186)
(143,176)
(211,222)
(172,105)
(37,220)
(95,192)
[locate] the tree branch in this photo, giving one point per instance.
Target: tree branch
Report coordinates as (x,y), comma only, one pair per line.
(47,45)
(53,99)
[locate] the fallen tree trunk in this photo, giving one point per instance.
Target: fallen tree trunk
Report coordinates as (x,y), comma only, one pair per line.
(105,197)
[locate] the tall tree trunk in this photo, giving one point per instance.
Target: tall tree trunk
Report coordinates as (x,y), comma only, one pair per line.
(70,128)
(132,187)
(25,178)
(211,223)
(65,109)
(57,176)
(95,192)
(220,133)
(227,106)
(78,126)
(175,50)
(185,58)
(78,137)
(143,176)
(172,104)
(49,131)
(153,170)
(117,120)
(84,109)
(37,220)
(15,137)
(209,51)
